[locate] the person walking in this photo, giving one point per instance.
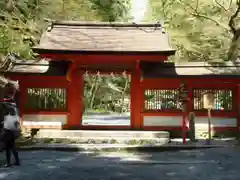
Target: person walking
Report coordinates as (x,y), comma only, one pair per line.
(10,132)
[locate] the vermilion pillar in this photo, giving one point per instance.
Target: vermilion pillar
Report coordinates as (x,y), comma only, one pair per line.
(238,107)
(136,99)
(22,98)
(74,95)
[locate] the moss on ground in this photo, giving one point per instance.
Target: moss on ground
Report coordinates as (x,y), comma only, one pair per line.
(26,141)
(226,134)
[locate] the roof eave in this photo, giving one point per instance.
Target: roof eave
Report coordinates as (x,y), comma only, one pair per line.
(100,52)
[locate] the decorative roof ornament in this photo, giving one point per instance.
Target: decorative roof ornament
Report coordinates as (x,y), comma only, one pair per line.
(162,27)
(3,82)
(14,84)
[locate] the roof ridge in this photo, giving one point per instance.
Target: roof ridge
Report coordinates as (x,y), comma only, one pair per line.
(105,24)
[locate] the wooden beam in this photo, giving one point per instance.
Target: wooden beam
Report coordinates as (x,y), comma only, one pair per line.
(195,83)
(101,59)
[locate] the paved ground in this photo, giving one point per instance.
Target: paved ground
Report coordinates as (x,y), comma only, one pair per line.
(219,164)
(107,119)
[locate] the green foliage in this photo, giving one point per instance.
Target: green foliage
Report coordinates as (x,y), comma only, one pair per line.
(18,25)
(111,10)
(5,42)
(107,93)
(22,22)
(199,29)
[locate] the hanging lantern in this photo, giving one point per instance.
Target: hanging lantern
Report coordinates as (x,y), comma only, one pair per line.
(183,93)
(69,72)
(208,100)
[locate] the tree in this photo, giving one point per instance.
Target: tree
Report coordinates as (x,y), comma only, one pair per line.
(111,10)
(201,29)
(227,13)
(234,24)
(23,21)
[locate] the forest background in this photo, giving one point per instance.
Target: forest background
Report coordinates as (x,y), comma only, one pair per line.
(200,30)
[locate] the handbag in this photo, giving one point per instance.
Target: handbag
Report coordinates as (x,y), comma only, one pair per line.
(11,123)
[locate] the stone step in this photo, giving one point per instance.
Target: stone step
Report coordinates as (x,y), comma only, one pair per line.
(100,134)
(96,136)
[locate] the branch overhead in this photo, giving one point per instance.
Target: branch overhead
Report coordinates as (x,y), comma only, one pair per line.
(232,23)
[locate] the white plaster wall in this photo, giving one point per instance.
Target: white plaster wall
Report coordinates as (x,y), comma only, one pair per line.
(44,120)
(162,120)
(177,121)
(216,122)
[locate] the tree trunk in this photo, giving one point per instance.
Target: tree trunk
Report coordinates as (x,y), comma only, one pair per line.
(1,107)
(10,6)
(96,85)
(232,53)
(88,95)
(123,93)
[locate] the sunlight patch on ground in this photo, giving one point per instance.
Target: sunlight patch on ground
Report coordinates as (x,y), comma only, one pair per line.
(51,167)
(85,152)
(4,175)
(47,160)
(191,167)
(145,159)
(42,166)
(66,159)
(123,156)
(171,174)
(174,162)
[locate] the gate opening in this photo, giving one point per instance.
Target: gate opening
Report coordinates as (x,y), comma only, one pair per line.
(106,99)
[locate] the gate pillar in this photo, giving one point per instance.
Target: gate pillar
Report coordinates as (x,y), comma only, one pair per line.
(238,107)
(136,98)
(74,96)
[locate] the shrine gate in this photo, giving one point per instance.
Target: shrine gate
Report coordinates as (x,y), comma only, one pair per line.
(68,49)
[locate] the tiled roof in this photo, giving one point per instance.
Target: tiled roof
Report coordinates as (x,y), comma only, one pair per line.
(13,63)
(188,69)
(201,68)
(105,37)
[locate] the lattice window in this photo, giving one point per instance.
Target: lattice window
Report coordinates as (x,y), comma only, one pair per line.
(161,99)
(223,99)
(46,98)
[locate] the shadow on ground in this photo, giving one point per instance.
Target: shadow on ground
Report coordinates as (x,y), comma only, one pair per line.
(220,163)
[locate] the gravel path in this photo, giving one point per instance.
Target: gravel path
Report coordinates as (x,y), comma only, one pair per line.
(210,164)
